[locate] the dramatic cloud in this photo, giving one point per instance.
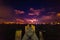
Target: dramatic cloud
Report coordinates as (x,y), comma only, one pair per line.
(31,9)
(31,21)
(35,16)
(19,12)
(42,19)
(52,17)
(20,21)
(31,14)
(46,17)
(37,12)
(34,11)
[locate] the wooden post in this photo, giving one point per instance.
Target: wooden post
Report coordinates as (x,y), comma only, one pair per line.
(18,35)
(41,36)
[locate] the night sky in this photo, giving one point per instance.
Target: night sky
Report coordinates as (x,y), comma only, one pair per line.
(25,4)
(43,10)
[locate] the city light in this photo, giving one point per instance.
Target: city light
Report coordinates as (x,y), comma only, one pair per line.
(58,14)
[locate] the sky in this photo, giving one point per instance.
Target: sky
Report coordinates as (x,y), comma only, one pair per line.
(25,4)
(30,10)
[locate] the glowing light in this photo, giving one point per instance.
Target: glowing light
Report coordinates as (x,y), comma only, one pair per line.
(32,21)
(9,22)
(58,23)
(58,14)
(51,23)
(19,21)
(43,23)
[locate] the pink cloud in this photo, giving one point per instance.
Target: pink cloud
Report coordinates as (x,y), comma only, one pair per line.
(46,17)
(31,21)
(31,9)
(31,14)
(36,12)
(19,12)
(42,9)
